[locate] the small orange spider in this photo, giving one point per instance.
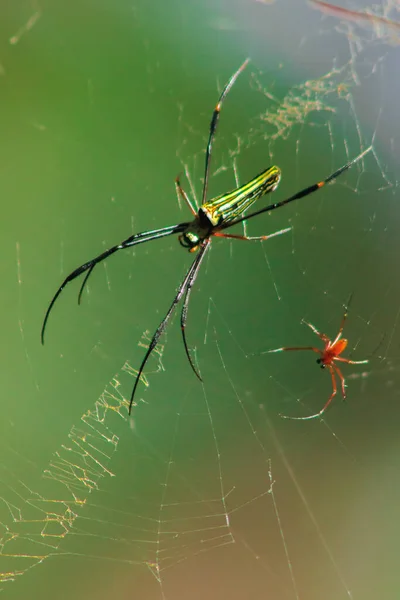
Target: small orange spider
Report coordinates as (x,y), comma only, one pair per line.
(328,356)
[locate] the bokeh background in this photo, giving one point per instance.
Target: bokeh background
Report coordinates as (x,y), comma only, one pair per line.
(205,491)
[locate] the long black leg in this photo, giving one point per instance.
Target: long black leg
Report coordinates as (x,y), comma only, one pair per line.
(137,238)
(84,282)
(213,126)
(185,309)
(160,329)
(302,193)
(127,244)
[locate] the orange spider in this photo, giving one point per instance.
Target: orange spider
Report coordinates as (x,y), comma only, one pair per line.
(328,356)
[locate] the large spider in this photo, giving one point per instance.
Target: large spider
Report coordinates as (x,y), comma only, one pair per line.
(210,220)
(329,355)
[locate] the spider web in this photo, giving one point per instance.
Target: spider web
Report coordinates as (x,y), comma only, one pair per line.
(205,490)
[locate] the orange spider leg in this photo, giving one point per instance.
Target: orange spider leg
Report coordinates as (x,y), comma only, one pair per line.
(322,336)
(285,349)
(241,237)
(339,335)
(352,362)
(246,238)
(181,192)
(331,397)
(342,380)
(352,15)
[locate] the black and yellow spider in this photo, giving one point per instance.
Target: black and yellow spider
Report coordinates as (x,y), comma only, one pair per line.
(210,220)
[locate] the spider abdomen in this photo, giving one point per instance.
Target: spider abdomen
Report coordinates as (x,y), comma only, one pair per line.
(333,351)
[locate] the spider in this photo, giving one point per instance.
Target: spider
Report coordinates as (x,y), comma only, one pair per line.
(210,220)
(329,355)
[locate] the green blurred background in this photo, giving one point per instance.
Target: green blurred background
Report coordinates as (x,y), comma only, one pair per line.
(205,491)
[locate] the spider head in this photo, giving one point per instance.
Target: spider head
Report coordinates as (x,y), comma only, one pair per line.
(189,240)
(320,363)
(196,231)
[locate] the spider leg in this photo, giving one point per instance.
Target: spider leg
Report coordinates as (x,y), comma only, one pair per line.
(258,238)
(322,336)
(306,192)
(342,380)
(181,192)
(133,240)
(85,281)
(213,127)
(343,321)
(331,397)
(188,290)
(295,348)
(351,362)
(160,329)
(352,15)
